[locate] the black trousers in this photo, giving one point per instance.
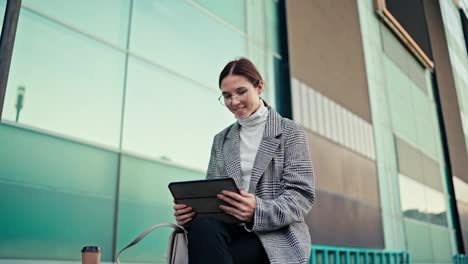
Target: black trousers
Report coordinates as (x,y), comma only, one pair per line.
(211,241)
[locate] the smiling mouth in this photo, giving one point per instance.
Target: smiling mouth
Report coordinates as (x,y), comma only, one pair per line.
(238,109)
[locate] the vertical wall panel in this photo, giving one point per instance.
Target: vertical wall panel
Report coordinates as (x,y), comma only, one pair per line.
(450,108)
(55,196)
(333,63)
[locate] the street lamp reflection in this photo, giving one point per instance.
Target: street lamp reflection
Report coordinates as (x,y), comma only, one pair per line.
(19,100)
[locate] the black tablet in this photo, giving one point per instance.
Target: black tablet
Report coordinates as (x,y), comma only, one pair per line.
(201,196)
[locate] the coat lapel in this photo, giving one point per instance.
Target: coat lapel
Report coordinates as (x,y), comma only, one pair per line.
(267,149)
(232,154)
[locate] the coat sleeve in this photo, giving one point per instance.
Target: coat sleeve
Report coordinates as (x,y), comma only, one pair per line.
(212,171)
(297,188)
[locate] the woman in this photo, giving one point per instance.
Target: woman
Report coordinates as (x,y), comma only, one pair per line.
(268,157)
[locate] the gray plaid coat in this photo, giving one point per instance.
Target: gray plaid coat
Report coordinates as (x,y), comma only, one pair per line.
(282,181)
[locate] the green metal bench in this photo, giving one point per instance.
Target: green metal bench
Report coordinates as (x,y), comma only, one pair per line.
(460,259)
(347,255)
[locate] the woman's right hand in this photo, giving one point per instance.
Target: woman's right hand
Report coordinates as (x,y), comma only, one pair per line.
(183,214)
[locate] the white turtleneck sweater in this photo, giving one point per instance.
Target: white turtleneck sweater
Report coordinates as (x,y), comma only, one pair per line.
(251,133)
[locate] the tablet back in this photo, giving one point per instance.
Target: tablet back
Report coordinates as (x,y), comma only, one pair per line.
(201,196)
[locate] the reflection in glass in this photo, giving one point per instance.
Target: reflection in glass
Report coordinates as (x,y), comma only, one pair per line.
(144,193)
(262,24)
(169,118)
(197,46)
(19,101)
(461,189)
(436,209)
(265,66)
(49,188)
(272,13)
(421,202)
(74,84)
(232,11)
(413,202)
(105,19)
(424,109)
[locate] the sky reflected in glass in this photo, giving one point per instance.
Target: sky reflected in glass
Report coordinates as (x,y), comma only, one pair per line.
(65,82)
(412,195)
(71,85)
(421,202)
(232,11)
(179,36)
(106,19)
(461,189)
(271,14)
(169,118)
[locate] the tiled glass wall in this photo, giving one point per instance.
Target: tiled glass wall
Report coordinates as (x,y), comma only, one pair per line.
(381,121)
(418,150)
(56,196)
(109,91)
(69,83)
(144,200)
(409,153)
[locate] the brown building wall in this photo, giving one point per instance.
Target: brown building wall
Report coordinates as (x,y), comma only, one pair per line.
(325,53)
(348,201)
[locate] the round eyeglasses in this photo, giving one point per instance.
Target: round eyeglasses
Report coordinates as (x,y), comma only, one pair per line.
(227,98)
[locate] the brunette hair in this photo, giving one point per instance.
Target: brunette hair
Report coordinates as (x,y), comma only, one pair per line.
(243,67)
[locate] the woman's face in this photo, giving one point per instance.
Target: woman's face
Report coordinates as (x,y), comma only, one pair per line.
(240,96)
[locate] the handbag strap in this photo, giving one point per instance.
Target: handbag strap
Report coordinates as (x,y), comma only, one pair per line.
(177,228)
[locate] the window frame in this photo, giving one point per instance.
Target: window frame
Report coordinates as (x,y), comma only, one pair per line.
(391,21)
(7,40)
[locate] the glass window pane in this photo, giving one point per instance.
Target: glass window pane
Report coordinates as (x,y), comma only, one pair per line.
(51,204)
(105,19)
(436,209)
(144,193)
(257,23)
(413,202)
(441,244)
(461,189)
(232,11)
(431,173)
(64,82)
(196,46)
(410,160)
(418,239)
(264,63)
(426,121)
(421,202)
(169,118)
(272,13)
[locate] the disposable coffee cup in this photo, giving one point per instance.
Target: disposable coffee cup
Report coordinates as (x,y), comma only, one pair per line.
(91,255)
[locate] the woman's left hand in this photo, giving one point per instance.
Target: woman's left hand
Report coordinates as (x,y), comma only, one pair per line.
(242,205)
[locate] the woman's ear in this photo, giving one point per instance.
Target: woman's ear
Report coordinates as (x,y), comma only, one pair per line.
(260,87)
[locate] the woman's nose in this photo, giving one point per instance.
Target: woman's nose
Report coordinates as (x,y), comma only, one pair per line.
(235,100)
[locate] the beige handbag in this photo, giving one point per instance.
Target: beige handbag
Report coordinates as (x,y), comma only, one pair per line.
(177,250)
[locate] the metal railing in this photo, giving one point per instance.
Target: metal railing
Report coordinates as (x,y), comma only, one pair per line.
(460,259)
(348,255)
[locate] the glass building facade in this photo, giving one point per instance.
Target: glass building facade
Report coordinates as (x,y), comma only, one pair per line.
(107,102)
